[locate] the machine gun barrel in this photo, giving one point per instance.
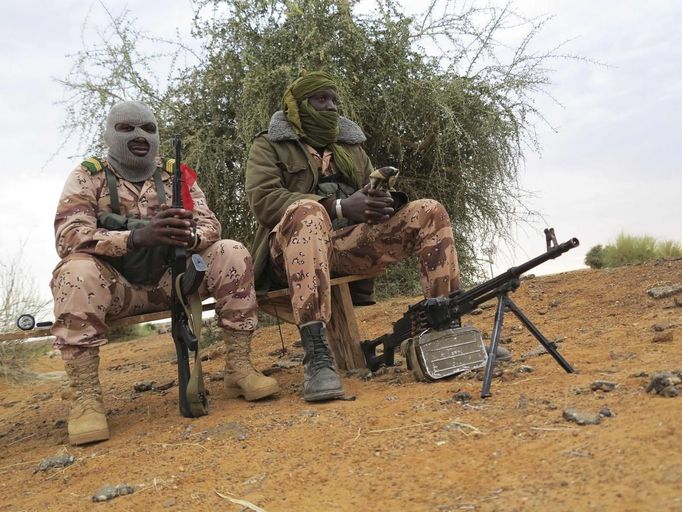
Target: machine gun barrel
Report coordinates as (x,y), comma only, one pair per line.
(512,275)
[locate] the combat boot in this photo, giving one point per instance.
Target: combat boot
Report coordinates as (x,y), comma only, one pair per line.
(87,419)
(320,377)
(241,378)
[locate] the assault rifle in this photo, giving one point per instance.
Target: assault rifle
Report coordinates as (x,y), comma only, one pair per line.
(433,341)
(186,311)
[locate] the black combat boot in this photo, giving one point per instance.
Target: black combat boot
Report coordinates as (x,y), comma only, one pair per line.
(321,380)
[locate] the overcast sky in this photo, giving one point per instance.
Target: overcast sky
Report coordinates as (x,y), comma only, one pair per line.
(612,165)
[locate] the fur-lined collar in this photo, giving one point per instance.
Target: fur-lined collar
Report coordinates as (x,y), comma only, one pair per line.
(280,129)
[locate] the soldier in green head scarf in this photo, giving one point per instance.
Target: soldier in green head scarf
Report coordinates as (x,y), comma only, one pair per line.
(314,192)
(310,106)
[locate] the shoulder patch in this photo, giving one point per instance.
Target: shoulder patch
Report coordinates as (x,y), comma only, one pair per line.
(93,165)
(168,164)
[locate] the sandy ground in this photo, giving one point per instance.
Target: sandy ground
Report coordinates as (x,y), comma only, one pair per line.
(400,445)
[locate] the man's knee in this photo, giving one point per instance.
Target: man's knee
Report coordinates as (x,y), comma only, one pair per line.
(83,273)
(225,253)
(305,209)
(428,205)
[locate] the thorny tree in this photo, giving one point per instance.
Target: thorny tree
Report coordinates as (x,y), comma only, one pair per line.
(438,95)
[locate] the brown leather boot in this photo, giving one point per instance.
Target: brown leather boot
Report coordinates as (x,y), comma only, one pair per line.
(87,420)
(241,378)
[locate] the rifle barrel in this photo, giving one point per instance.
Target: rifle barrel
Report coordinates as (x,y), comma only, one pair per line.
(177,175)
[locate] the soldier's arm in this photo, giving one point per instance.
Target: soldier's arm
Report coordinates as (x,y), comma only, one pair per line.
(207,224)
(265,191)
(75,222)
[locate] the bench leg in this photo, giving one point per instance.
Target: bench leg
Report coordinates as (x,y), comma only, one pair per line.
(343,332)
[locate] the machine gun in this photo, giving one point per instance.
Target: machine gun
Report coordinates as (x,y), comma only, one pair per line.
(186,311)
(432,339)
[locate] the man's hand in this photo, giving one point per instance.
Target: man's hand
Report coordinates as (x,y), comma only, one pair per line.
(371,206)
(170,226)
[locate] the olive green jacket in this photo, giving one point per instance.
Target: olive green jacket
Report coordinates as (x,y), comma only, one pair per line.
(280,171)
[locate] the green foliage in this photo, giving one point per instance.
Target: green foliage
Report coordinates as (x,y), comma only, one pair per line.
(130,332)
(595,257)
(668,249)
(455,121)
(210,333)
(16,355)
(399,279)
(630,250)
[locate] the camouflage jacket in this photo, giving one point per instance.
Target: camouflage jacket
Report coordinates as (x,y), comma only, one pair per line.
(86,194)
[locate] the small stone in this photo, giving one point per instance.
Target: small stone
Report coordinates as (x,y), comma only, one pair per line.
(603,385)
(669,392)
(308,412)
(462,397)
(525,369)
(164,386)
(476,311)
(663,337)
(662,381)
(109,492)
(522,403)
(640,374)
(58,461)
(661,292)
(581,417)
(168,503)
(60,423)
(143,386)
(662,327)
(605,412)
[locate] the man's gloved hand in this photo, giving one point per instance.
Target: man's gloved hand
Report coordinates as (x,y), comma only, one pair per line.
(170,226)
(366,205)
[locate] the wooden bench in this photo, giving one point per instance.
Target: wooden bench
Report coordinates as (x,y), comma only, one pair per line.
(343,332)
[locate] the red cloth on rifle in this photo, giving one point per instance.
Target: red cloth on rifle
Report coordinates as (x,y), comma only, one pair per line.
(189,178)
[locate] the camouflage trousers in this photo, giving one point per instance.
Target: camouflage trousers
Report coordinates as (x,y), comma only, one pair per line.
(306,251)
(89,292)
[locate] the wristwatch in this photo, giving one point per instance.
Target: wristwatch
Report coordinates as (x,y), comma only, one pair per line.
(339,210)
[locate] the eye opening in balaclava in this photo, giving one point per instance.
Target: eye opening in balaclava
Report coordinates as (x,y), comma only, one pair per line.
(130,166)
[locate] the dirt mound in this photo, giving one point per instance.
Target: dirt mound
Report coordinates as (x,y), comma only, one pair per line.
(546,440)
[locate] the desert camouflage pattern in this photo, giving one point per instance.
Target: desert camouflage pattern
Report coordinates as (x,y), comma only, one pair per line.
(85,195)
(88,292)
(306,252)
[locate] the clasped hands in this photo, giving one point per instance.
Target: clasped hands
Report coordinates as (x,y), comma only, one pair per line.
(368,205)
(170,226)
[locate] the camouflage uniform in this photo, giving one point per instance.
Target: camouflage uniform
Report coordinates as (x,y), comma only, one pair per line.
(89,292)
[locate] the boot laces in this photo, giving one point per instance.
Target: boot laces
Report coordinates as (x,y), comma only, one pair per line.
(322,357)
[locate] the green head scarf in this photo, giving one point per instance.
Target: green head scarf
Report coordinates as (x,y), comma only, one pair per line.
(319,129)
